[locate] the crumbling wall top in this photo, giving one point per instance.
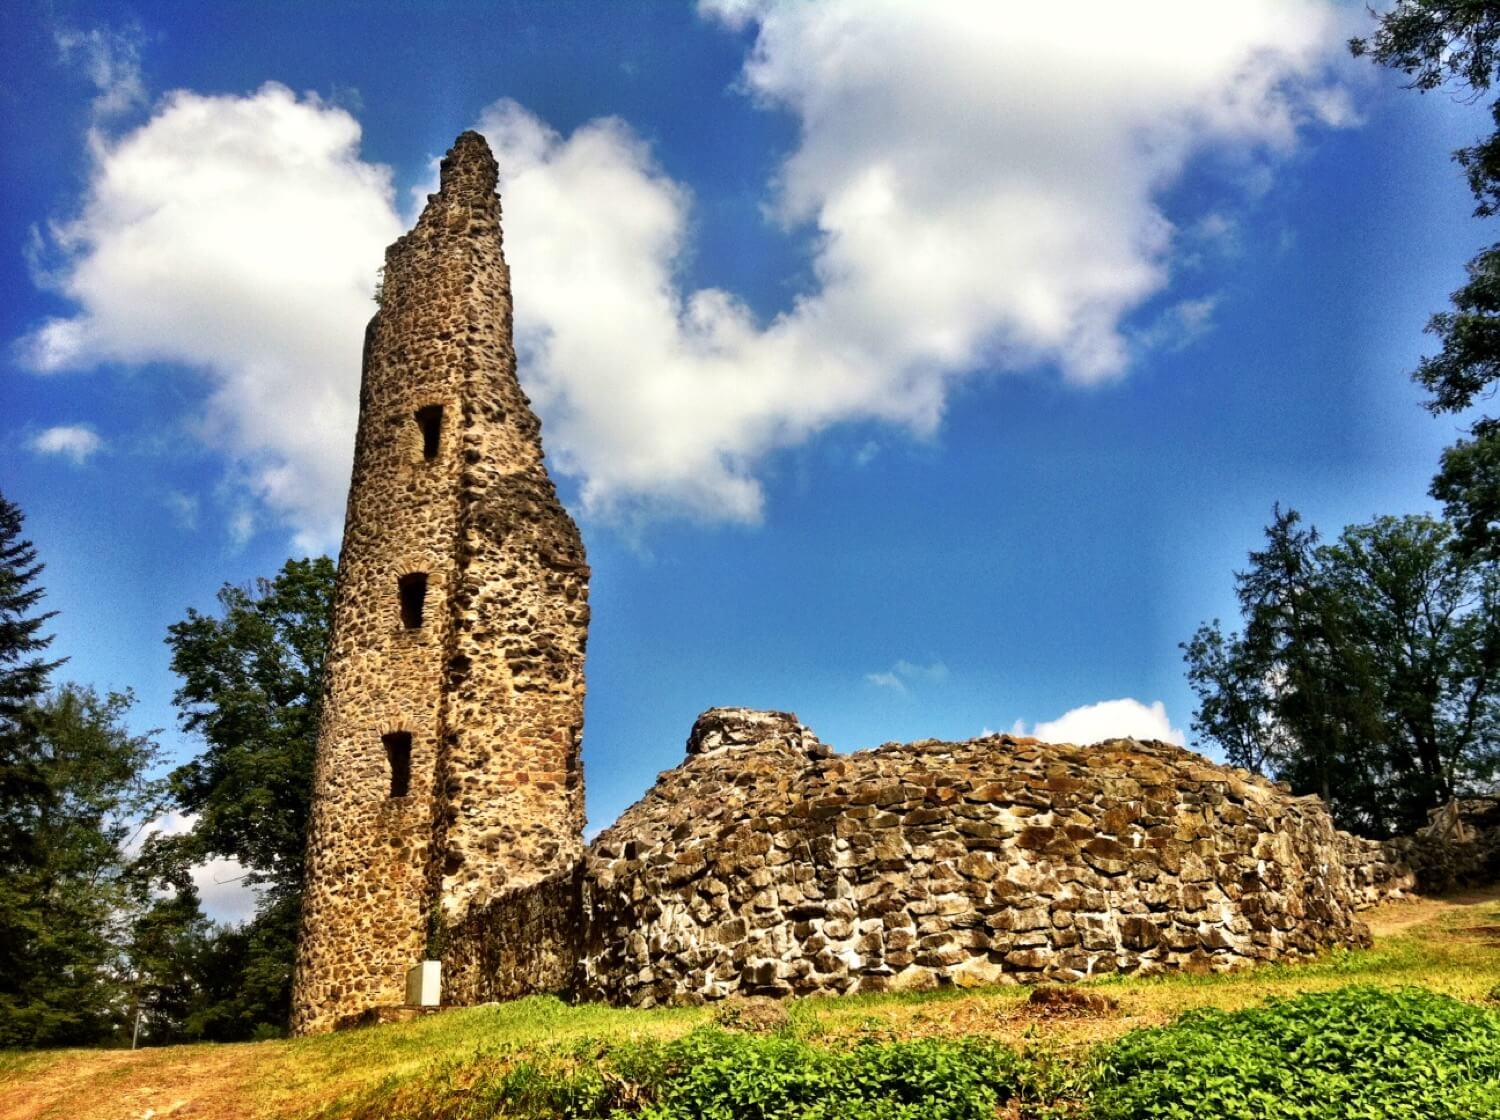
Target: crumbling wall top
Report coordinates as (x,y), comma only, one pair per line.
(469,166)
(721,728)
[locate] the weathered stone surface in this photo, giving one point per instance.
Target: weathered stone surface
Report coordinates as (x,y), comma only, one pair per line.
(1460,847)
(448,765)
(448,799)
(913,866)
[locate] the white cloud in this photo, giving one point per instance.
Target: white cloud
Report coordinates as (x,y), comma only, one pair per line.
(241,528)
(239,236)
(223,893)
(220,882)
(1108,719)
(982,183)
(112,62)
(1179,325)
(72,441)
(184,509)
(904,675)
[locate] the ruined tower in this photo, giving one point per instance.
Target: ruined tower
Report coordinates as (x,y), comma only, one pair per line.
(448,768)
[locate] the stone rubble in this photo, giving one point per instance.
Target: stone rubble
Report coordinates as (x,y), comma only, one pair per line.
(767,865)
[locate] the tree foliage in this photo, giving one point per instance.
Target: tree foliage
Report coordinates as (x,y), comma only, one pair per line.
(23,674)
(63,972)
(1365,670)
(251,688)
(1453,44)
(72,787)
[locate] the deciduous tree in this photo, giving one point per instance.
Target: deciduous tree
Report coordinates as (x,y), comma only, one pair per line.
(251,680)
(1452,44)
(1365,671)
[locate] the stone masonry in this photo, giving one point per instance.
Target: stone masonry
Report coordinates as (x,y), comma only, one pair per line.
(448,794)
(768,865)
(448,768)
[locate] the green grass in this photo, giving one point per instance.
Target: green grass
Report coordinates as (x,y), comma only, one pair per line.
(468,1063)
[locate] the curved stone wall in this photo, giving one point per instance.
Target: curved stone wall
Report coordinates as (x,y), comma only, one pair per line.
(448,769)
(766,864)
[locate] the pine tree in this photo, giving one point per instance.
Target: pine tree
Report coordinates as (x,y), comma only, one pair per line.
(63,907)
(23,680)
(23,674)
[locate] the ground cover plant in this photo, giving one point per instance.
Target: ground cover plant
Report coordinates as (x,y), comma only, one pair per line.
(869,1056)
(714,1074)
(1350,1054)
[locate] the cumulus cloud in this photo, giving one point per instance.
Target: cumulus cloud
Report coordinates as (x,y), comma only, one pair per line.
(983,185)
(239,236)
(983,182)
(904,675)
(72,441)
(1108,719)
(220,882)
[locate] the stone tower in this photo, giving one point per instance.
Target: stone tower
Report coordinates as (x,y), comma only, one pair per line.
(448,768)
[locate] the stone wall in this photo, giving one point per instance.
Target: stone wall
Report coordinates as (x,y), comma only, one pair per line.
(526,941)
(448,791)
(1459,848)
(448,765)
(766,864)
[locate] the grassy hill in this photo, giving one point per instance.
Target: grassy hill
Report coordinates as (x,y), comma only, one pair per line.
(460,1063)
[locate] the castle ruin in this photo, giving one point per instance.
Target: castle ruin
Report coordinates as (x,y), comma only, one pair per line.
(448,763)
(448,800)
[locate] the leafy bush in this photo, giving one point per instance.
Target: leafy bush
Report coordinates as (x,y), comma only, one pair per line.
(712,1074)
(1357,1053)
(716,1076)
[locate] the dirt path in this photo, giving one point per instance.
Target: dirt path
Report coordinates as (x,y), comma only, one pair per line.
(280,1079)
(197,1081)
(1391,918)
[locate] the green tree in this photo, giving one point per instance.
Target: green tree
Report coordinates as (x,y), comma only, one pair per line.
(251,690)
(1425,619)
(1452,44)
(23,680)
(1365,670)
(166,975)
(63,904)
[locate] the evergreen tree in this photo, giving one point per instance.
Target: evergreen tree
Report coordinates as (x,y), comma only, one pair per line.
(23,680)
(169,970)
(62,907)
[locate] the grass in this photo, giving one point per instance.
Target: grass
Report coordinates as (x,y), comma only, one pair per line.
(1452,947)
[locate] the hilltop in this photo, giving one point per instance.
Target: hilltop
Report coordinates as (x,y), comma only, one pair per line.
(421,1068)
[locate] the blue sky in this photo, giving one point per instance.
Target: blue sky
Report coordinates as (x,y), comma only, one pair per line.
(919,369)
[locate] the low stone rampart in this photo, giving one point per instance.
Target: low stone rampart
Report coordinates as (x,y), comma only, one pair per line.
(768,865)
(1458,849)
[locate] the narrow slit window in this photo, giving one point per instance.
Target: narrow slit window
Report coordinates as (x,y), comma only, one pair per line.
(398,754)
(412,590)
(430,420)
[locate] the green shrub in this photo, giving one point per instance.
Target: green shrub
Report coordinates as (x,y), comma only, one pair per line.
(1357,1053)
(711,1075)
